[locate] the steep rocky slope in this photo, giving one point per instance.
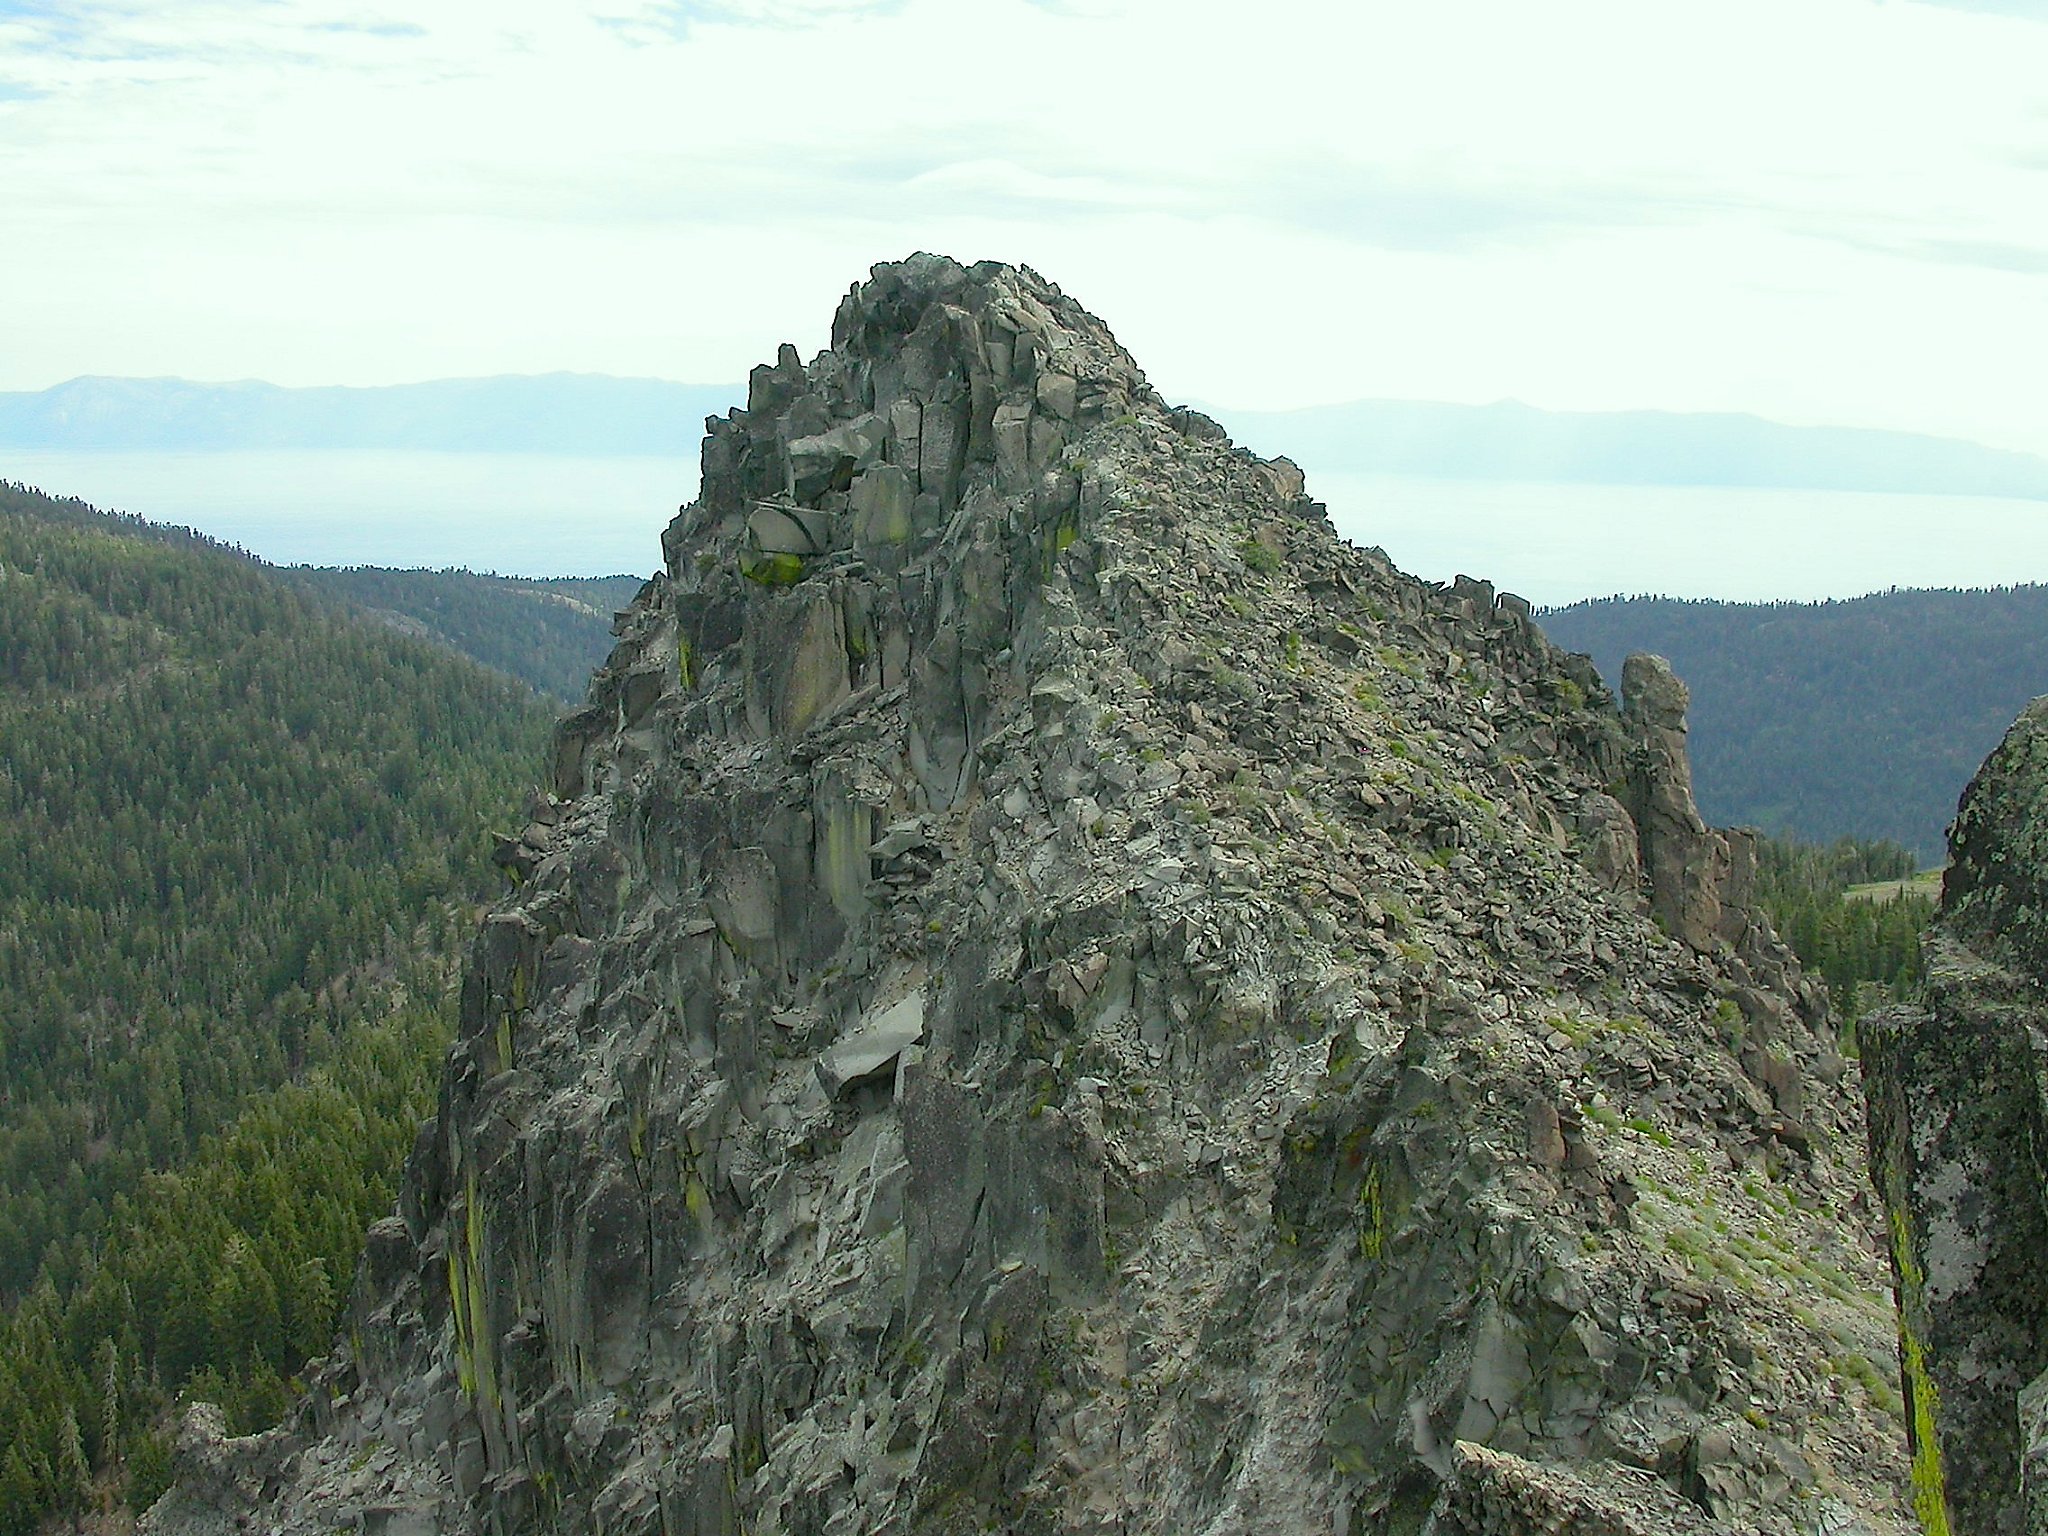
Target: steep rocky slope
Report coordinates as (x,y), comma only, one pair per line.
(1050,993)
(1959,1140)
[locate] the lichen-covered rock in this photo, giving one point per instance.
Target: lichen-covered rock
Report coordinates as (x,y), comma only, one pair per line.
(1958,1089)
(1083,1002)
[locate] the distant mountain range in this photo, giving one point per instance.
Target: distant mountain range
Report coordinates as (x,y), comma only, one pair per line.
(597,415)
(1511,441)
(556,413)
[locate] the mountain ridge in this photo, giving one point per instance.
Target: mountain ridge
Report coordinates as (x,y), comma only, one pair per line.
(1508,440)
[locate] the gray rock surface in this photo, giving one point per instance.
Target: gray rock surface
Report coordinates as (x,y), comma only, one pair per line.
(1958,1090)
(1081,1003)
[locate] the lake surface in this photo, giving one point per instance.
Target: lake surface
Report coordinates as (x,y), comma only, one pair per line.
(515,514)
(536,515)
(1554,544)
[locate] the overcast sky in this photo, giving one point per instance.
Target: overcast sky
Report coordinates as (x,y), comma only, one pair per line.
(1818,210)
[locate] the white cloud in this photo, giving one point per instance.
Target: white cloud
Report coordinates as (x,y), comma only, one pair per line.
(1817,209)
(682,14)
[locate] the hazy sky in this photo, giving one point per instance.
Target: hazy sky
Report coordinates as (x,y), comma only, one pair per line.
(1819,210)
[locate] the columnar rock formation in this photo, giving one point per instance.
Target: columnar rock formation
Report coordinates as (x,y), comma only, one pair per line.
(1048,992)
(1959,1141)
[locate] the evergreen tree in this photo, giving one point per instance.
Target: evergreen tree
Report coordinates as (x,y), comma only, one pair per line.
(1866,947)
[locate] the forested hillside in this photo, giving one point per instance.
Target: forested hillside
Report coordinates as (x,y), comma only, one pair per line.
(550,633)
(1825,720)
(240,835)
(1865,947)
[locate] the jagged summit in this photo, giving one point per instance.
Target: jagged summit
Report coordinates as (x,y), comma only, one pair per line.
(933,368)
(1049,993)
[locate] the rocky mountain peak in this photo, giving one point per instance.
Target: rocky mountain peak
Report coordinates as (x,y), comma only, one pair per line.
(917,320)
(1049,992)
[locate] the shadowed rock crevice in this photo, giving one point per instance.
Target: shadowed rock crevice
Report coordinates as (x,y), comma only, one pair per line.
(1048,992)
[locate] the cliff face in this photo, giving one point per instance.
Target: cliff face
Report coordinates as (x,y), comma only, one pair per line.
(1051,993)
(1959,1144)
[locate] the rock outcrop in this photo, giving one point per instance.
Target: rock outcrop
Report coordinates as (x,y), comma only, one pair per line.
(1048,992)
(1958,1090)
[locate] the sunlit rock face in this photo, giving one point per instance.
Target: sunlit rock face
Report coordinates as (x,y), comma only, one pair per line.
(1048,993)
(1959,1140)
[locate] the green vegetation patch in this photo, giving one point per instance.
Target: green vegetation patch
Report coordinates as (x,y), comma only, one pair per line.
(778,570)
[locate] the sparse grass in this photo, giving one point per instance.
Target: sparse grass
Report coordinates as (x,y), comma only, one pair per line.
(1397,909)
(1684,1242)
(1394,659)
(1236,684)
(1858,1368)
(1582,1028)
(1927,883)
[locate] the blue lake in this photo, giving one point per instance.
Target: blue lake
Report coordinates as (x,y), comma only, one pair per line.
(516,514)
(541,515)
